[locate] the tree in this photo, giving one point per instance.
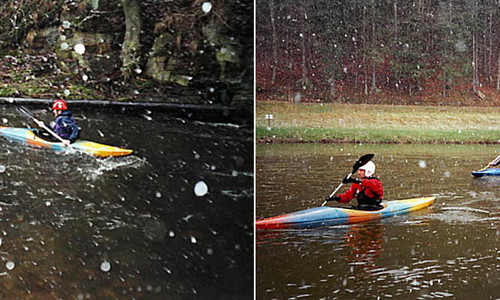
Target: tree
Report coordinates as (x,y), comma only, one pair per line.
(274,44)
(367,45)
(131,46)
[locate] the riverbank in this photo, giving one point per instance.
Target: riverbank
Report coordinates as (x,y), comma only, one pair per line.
(375,123)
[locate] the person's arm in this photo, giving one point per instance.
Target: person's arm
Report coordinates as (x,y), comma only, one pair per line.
(349,194)
(57,124)
(75,133)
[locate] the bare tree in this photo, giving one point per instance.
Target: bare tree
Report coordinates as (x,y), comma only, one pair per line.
(373,88)
(274,41)
(131,46)
(475,79)
(498,76)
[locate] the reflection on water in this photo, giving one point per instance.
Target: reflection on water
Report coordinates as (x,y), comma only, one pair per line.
(366,243)
(449,250)
(73,226)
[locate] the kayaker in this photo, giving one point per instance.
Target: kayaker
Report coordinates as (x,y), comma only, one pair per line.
(367,189)
(64,125)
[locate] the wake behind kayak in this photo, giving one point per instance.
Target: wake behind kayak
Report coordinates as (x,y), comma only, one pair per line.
(326,216)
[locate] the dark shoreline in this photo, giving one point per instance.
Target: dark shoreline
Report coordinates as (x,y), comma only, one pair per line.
(285,141)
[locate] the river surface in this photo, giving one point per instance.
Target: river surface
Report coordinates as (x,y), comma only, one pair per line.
(73,226)
(449,250)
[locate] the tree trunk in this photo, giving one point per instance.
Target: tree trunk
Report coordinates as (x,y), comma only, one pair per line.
(366,77)
(374,76)
(304,65)
(490,48)
(498,75)
(395,8)
(475,80)
(365,41)
(274,42)
(474,63)
(289,64)
(395,39)
(447,77)
(303,46)
(374,45)
(333,89)
(131,46)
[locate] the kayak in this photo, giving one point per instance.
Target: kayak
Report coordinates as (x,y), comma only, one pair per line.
(486,172)
(326,215)
(27,136)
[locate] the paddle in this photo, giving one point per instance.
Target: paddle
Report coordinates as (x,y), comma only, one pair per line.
(360,162)
(494,162)
(25,112)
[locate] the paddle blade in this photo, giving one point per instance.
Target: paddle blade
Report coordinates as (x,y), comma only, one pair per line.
(361,161)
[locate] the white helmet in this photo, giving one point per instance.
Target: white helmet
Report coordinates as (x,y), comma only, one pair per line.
(369,168)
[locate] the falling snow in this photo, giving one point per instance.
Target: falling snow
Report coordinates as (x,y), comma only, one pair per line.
(200,189)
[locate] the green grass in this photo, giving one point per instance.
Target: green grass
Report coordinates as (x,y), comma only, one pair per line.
(377,123)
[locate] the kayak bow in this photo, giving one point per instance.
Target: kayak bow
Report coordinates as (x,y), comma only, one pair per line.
(325,215)
(486,172)
(27,136)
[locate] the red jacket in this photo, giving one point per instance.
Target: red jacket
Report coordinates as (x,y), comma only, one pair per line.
(371,187)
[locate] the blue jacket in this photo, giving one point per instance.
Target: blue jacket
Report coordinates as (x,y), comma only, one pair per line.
(65,126)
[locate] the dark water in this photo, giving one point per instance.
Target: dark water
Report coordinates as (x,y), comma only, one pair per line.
(450,250)
(79,227)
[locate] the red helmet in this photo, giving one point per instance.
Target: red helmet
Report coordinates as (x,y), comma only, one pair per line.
(59,105)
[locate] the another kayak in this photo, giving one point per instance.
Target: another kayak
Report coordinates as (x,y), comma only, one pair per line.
(325,215)
(486,172)
(27,136)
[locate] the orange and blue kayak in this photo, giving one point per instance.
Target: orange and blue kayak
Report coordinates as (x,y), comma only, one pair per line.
(486,172)
(27,136)
(327,216)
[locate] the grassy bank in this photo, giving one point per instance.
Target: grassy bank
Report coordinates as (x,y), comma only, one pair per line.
(308,122)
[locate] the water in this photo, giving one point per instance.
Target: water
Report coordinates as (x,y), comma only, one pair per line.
(73,226)
(450,250)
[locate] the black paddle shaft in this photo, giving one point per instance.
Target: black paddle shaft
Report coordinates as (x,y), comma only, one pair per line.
(25,112)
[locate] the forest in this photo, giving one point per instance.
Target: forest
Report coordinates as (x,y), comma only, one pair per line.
(178,51)
(444,52)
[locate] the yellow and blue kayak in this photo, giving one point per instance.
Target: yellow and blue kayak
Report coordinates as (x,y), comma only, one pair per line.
(27,136)
(327,216)
(486,172)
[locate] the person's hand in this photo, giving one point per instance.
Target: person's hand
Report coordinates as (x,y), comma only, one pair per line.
(66,142)
(351,180)
(334,198)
